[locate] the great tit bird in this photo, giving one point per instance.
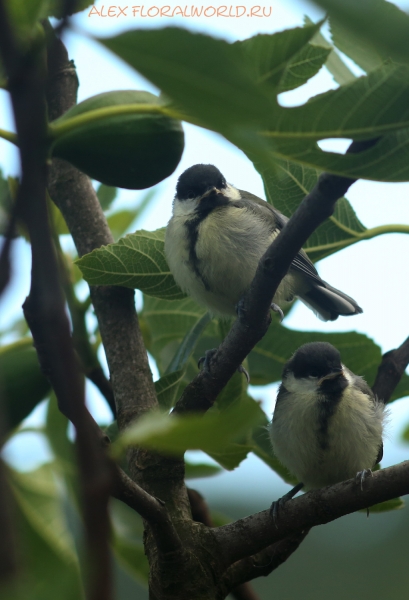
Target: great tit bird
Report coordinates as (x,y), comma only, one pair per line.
(216,237)
(327,424)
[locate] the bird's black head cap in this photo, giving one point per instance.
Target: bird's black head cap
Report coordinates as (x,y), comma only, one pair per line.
(196,180)
(315,359)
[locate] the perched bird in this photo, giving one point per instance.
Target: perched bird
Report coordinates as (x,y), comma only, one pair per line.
(216,237)
(327,424)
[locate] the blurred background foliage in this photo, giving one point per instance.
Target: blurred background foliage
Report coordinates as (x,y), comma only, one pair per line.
(231,89)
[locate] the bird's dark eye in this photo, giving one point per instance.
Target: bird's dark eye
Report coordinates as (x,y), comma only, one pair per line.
(314,374)
(190,194)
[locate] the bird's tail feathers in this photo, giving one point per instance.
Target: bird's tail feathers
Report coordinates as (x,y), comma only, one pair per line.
(328,303)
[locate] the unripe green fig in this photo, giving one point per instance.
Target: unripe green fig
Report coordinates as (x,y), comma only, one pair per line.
(133,150)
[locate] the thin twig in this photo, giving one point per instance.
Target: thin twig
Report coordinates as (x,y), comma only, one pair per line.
(90,364)
(261,564)
(150,509)
(390,371)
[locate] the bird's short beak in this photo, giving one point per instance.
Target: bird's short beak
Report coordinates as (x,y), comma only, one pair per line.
(332,375)
(212,190)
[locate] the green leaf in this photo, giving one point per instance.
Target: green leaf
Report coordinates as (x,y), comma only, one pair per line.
(383,106)
(22,383)
(197,470)
(47,552)
(167,388)
(387,160)
(131,556)
(58,221)
(379,24)
(288,184)
(234,392)
(166,324)
(189,343)
(234,397)
(284,56)
(338,69)
(37,495)
(106,195)
(405,434)
(54,7)
(5,203)
(335,65)
(56,430)
(24,14)
(306,63)
(231,455)
(65,461)
(358,352)
(128,541)
(120,221)
(206,77)
(135,261)
(175,434)
(365,54)
(394,504)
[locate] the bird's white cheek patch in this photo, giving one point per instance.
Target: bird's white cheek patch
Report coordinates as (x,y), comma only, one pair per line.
(182,208)
(232,193)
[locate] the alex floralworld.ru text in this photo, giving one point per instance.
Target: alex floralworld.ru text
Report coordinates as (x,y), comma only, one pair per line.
(231,11)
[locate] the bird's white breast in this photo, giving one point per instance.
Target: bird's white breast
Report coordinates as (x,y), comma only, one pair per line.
(354,434)
(229,245)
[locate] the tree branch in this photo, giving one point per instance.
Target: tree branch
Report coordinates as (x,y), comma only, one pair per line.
(90,364)
(254,317)
(45,308)
(390,371)
(249,536)
(74,195)
(114,307)
(261,564)
(241,590)
(150,509)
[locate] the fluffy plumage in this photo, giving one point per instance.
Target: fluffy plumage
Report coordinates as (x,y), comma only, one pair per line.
(218,234)
(327,424)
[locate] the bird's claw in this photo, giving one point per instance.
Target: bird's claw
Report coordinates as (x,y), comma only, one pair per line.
(275,506)
(274,510)
(204,361)
(278,310)
(240,310)
(241,369)
(361,476)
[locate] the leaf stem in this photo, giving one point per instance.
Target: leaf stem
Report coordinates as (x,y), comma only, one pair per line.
(368,234)
(9,136)
(63,126)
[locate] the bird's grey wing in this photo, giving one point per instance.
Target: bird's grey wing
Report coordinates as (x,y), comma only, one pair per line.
(380,454)
(301,262)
